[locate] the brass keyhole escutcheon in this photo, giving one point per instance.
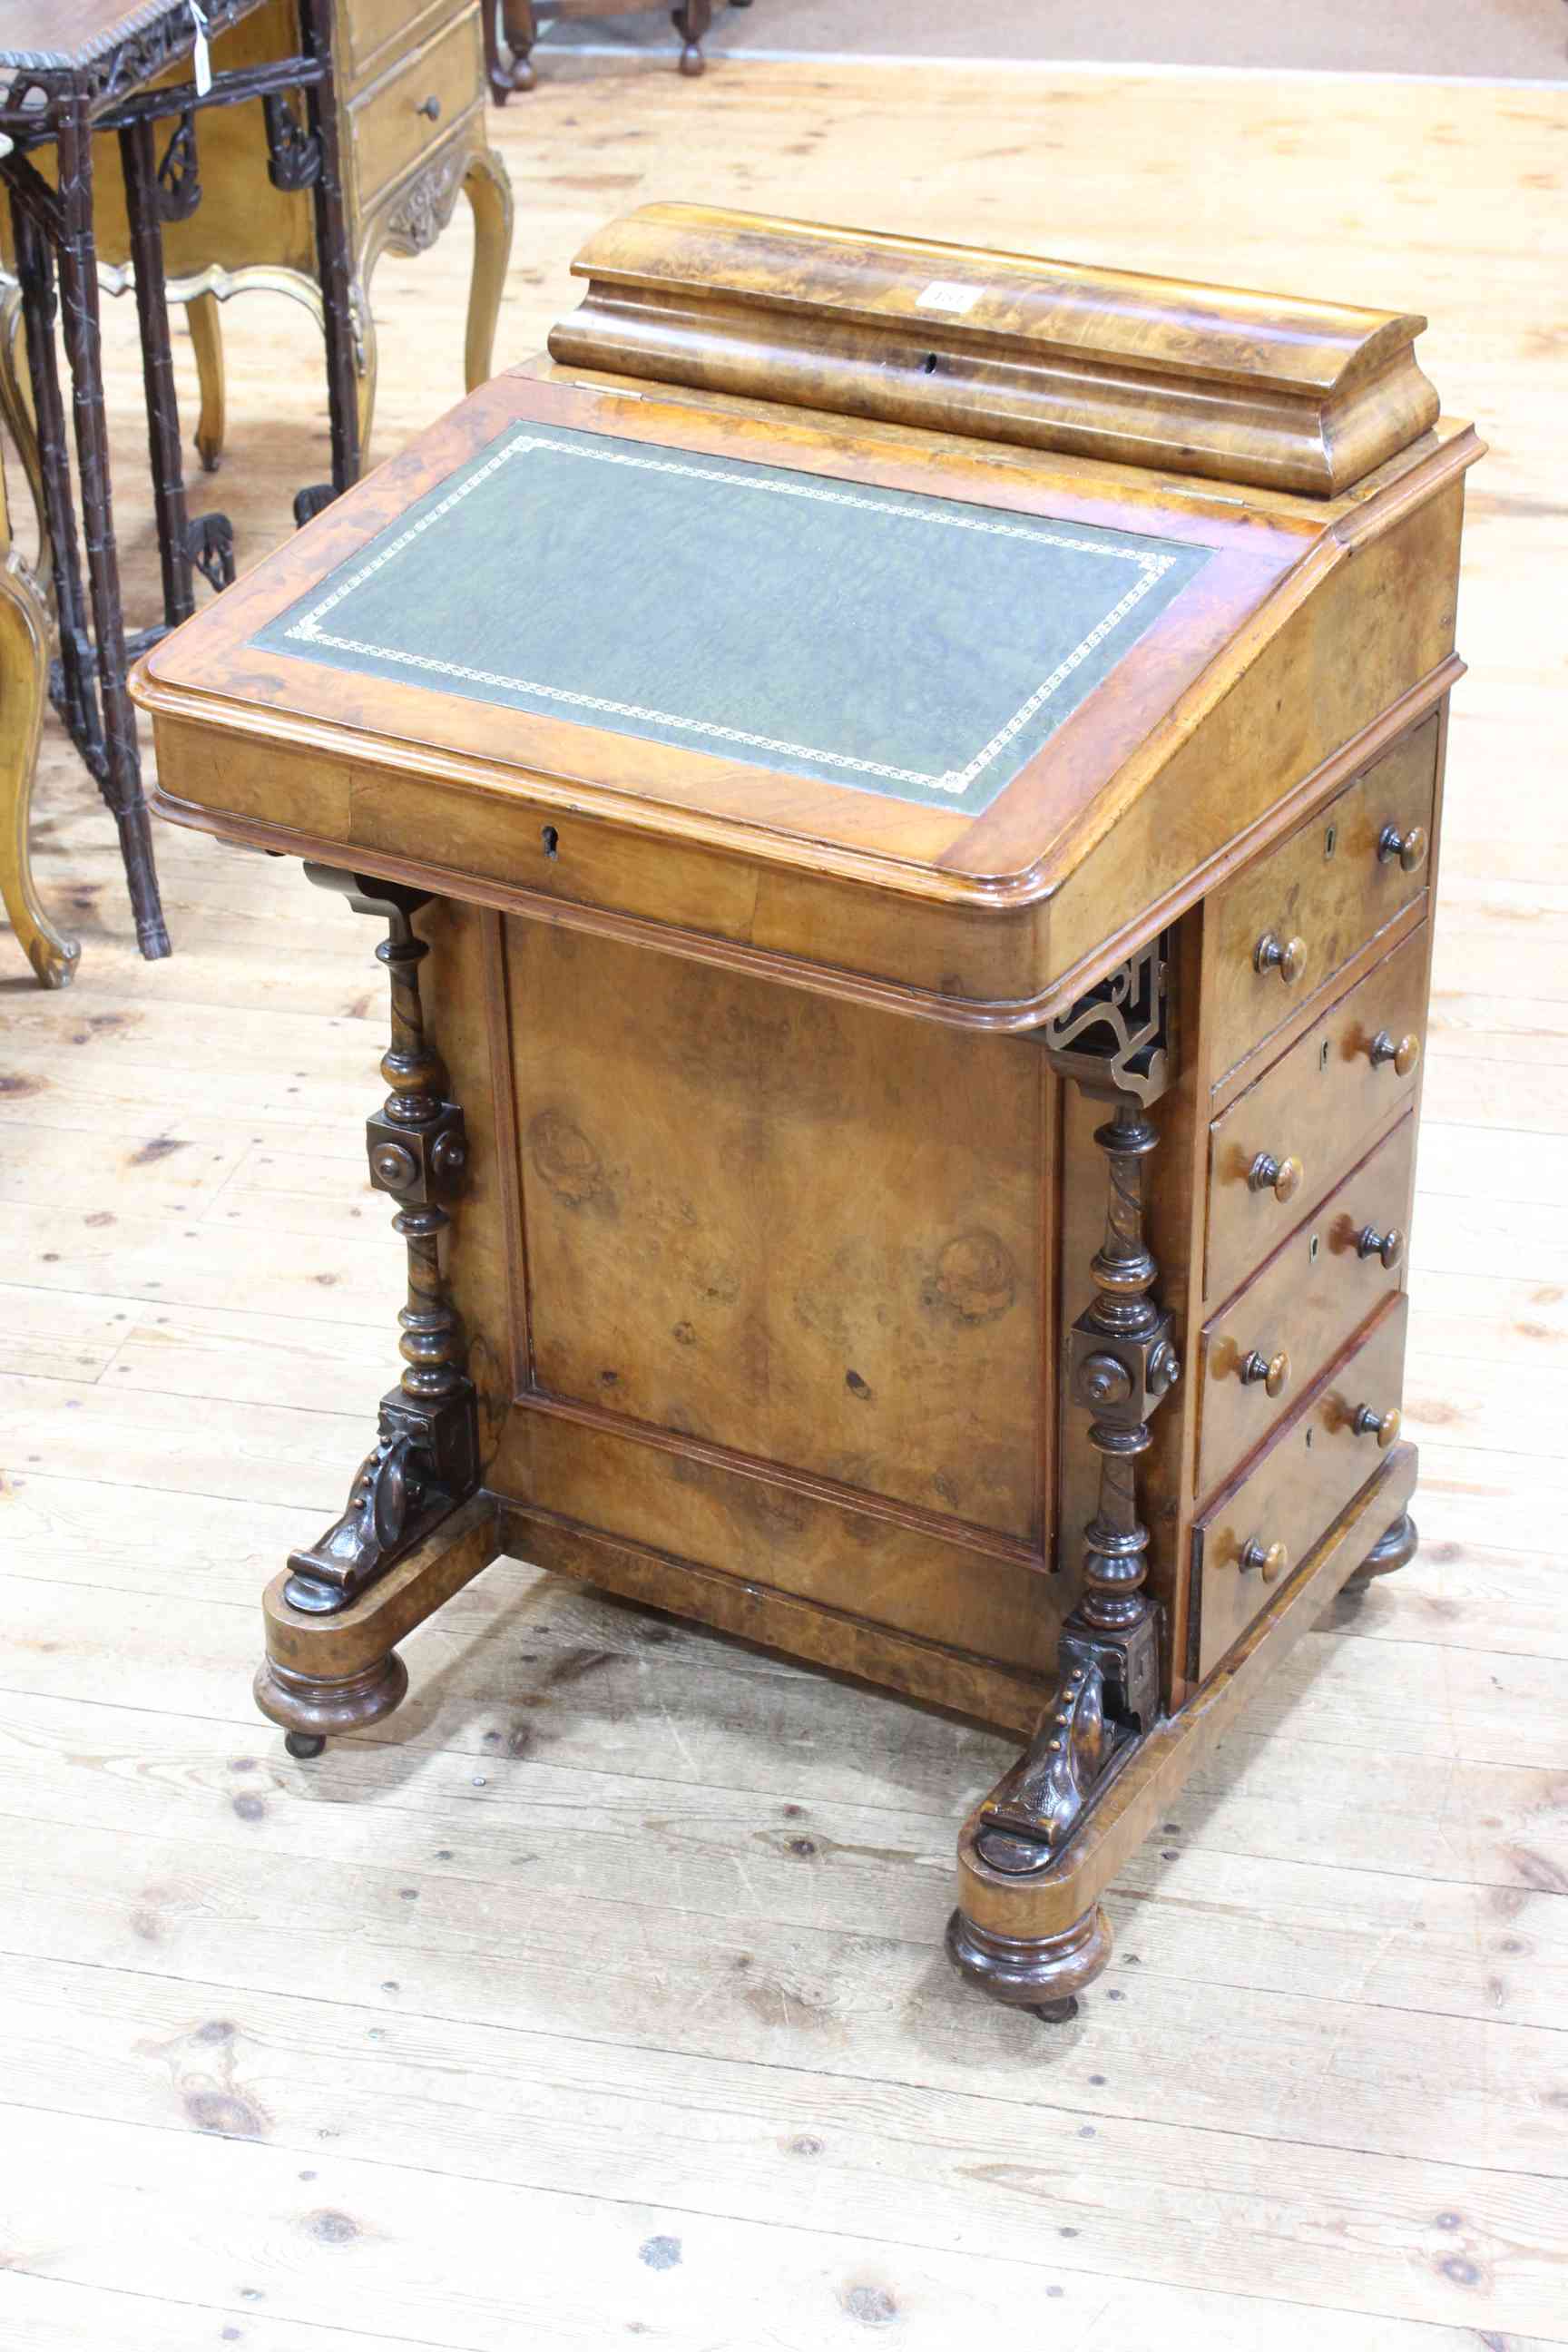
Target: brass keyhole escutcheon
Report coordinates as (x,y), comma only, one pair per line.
(1283,1178)
(1410,847)
(1270,1560)
(1388,1247)
(1367,1422)
(1402,1052)
(1287,957)
(1274,1372)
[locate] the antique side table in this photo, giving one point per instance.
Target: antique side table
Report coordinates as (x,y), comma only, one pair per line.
(409,92)
(68,69)
(903,786)
(517,21)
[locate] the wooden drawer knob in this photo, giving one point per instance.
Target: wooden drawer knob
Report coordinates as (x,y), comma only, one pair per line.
(430,108)
(1367,1422)
(1410,847)
(1271,1560)
(1283,1178)
(1402,1052)
(1287,957)
(1388,1247)
(1274,1372)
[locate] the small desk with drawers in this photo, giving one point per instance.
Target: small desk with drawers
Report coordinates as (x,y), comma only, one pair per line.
(903,784)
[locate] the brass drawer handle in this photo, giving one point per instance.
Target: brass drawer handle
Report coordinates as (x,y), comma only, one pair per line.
(1273,1560)
(430,108)
(1402,1052)
(1287,957)
(1274,1372)
(1388,1247)
(1410,847)
(1367,1422)
(1283,1178)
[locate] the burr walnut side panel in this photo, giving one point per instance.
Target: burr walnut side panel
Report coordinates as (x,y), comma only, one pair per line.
(801,1229)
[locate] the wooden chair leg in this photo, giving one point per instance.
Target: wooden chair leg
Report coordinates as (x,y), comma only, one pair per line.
(207,338)
(489,191)
(23,672)
(510,22)
(691,20)
(17,411)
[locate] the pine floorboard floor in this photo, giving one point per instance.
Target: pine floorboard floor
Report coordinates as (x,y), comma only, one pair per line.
(600,1993)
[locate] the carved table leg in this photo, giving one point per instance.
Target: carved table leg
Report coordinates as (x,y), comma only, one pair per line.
(104,730)
(489,191)
(312,160)
(425,1462)
(1121,1364)
(205,320)
(139,165)
(24,669)
(16,414)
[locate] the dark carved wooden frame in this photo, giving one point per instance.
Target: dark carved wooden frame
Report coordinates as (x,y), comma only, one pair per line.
(63,102)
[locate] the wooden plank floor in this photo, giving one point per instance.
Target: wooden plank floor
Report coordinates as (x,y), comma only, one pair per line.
(602,1994)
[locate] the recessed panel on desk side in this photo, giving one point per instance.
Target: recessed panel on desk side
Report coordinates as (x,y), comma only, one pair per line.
(795,1227)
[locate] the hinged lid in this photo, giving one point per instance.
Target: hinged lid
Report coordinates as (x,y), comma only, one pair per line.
(1151,372)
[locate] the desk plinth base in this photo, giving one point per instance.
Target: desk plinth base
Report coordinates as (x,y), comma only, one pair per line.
(1038,1939)
(1031,1941)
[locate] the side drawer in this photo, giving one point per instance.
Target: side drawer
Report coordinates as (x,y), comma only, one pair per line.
(1288,924)
(413,108)
(1283,1145)
(1268,1346)
(1247,1544)
(373,33)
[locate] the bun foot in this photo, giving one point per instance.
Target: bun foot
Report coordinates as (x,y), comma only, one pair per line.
(1041,1973)
(1395,1547)
(311,1710)
(691,61)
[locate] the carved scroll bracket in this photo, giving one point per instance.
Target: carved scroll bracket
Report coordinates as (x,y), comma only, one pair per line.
(424,1461)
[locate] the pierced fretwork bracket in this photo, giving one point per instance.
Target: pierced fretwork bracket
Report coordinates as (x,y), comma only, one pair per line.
(293,152)
(179,179)
(1115,1039)
(424,1461)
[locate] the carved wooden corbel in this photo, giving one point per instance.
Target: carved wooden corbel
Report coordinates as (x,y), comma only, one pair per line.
(424,1461)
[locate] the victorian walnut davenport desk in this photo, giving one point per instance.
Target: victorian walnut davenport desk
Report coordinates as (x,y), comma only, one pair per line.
(903,787)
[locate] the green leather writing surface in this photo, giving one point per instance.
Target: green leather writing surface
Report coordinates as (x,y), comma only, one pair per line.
(911,646)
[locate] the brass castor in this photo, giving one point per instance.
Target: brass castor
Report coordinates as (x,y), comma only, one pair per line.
(303,1744)
(1044,1974)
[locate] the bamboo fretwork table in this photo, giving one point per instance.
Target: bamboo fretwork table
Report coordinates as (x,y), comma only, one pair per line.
(903,786)
(70,70)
